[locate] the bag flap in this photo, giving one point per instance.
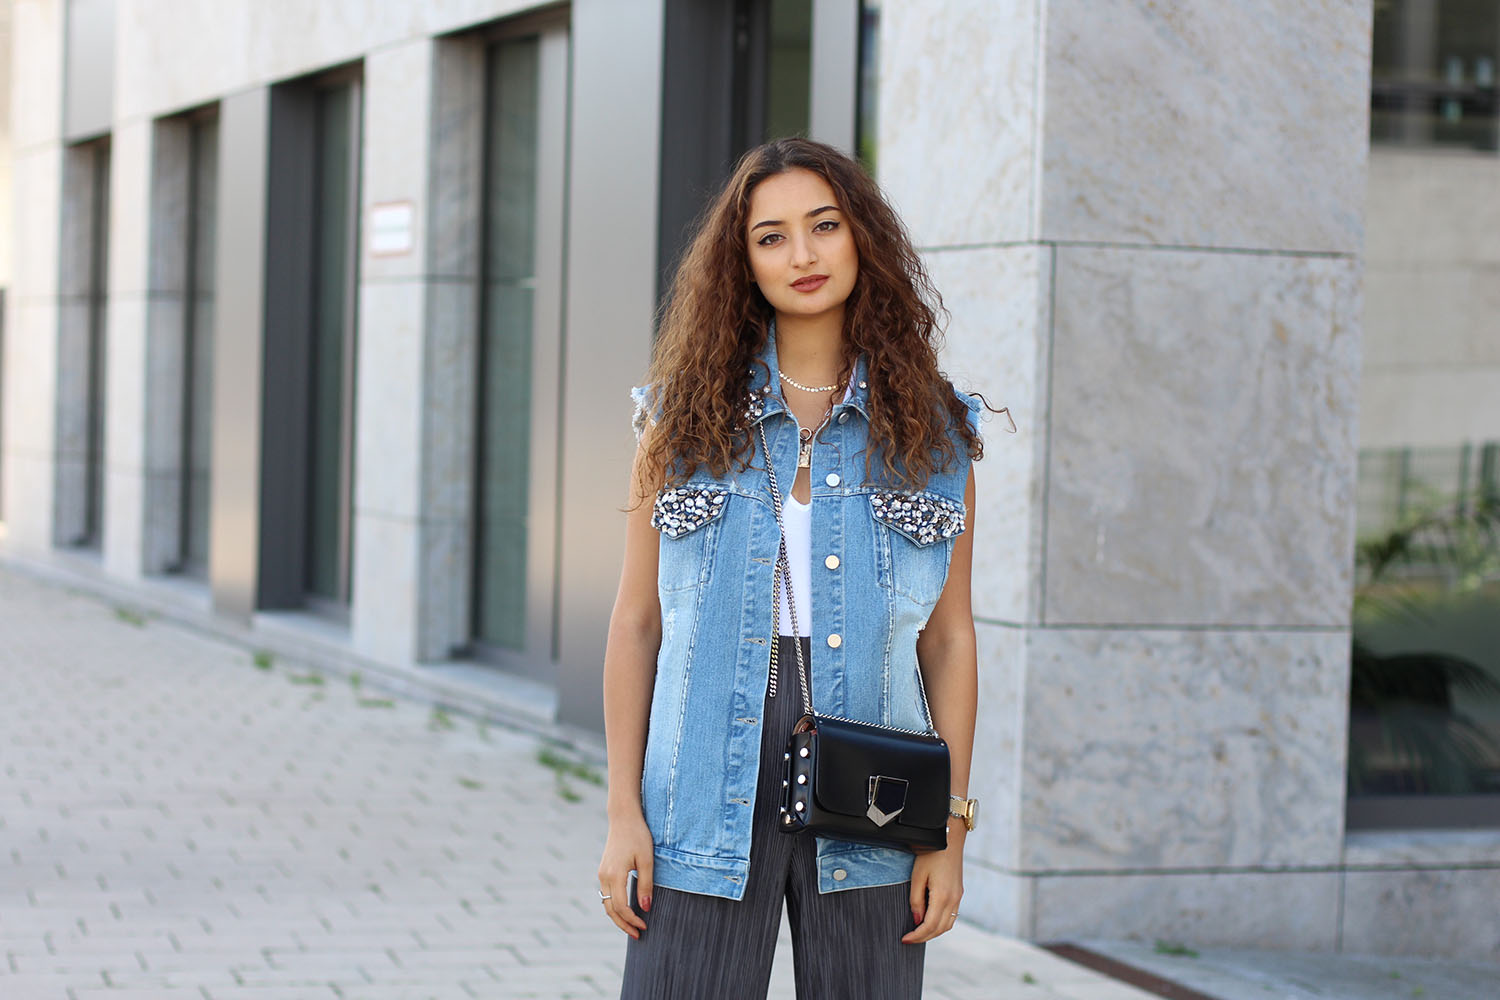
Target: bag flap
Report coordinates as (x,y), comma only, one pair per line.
(850,753)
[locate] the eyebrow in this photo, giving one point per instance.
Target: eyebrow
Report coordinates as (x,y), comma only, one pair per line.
(777,222)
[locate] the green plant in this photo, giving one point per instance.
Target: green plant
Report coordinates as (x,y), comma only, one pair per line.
(261,659)
(130,617)
(440,720)
(471,784)
(564,768)
(1174,948)
(307,680)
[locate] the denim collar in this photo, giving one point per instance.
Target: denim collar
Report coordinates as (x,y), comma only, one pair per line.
(766,394)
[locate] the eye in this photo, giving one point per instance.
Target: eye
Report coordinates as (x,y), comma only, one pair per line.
(770,240)
(826,226)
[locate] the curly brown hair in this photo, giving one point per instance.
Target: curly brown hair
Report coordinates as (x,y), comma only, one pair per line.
(715,323)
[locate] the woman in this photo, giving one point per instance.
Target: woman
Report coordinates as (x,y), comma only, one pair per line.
(799,317)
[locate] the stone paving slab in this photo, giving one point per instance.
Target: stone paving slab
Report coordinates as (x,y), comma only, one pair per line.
(179,818)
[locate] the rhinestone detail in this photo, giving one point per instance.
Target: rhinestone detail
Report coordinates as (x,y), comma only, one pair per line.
(755,405)
(922,517)
(686,508)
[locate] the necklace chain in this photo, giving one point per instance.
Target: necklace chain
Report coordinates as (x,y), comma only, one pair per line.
(806,388)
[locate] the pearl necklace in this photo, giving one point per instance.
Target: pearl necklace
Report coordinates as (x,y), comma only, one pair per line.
(806,388)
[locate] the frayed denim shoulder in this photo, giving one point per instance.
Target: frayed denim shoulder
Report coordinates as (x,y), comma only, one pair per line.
(646,409)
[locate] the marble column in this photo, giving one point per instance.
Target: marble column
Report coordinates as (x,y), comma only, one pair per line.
(415,379)
(125,348)
(1146,221)
(28,451)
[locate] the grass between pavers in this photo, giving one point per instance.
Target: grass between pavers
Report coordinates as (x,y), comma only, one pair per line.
(565,768)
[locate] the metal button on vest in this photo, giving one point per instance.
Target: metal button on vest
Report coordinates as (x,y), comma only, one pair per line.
(844,417)
(839,874)
(832,562)
(835,640)
(833,479)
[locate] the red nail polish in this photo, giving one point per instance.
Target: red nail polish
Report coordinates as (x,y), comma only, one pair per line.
(646,904)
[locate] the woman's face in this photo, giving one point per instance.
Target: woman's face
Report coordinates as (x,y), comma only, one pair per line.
(802,253)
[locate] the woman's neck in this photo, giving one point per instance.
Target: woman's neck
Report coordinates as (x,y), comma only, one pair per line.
(810,349)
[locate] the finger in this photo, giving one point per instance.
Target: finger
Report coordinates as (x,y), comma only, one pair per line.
(926,930)
(918,899)
(620,898)
(644,882)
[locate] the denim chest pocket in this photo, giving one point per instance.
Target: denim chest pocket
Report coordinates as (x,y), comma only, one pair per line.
(688,518)
(913,540)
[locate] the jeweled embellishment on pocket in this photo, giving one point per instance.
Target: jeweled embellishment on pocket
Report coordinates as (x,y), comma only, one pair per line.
(919,516)
(682,509)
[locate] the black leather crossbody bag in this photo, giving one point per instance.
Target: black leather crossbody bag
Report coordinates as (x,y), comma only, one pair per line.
(853,780)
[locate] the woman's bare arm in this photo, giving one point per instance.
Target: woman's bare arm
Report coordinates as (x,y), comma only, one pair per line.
(629,677)
(948,657)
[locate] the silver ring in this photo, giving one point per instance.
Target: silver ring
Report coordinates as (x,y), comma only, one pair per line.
(954,913)
(602,896)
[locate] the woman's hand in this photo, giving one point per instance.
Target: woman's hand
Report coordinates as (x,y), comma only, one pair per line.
(627,848)
(937,884)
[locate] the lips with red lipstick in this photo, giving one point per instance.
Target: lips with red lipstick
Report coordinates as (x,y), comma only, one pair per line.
(811,283)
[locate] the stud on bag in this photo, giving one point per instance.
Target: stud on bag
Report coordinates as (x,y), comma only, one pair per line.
(853,780)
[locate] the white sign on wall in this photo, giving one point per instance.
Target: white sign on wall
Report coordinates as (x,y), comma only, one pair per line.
(392,228)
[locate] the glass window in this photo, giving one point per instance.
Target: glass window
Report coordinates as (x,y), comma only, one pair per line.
(331,409)
(788,73)
(1425,697)
(198,324)
(94,259)
(508,299)
(1433,78)
(869,82)
(1424,734)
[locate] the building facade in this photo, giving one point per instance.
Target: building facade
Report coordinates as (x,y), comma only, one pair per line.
(322,318)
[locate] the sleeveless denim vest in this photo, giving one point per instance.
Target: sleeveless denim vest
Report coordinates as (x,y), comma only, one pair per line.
(879,560)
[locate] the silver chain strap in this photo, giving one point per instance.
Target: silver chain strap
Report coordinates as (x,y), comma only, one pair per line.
(782,572)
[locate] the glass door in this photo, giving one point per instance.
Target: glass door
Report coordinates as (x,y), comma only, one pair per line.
(515,536)
(330,452)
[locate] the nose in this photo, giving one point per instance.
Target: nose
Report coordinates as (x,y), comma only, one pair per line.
(803,254)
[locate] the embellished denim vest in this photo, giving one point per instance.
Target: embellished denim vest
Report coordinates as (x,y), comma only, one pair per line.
(879,560)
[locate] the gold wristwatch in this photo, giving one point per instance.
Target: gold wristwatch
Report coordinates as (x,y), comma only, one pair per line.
(964,809)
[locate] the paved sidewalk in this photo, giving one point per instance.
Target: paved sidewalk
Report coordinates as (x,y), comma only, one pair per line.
(178,820)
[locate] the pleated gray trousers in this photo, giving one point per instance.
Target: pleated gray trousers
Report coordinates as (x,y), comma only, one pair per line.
(845,944)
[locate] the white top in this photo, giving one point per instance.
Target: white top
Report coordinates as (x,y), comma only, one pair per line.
(796,518)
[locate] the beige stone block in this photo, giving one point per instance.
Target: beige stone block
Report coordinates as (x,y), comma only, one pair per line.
(130,190)
(175,54)
(30,368)
(389,399)
(1203,412)
(1449,913)
(958,105)
(36,54)
(994,899)
(1441,315)
(1225,125)
(1436,408)
(1431,206)
(397,103)
(1431,848)
(997,345)
(450,384)
(1198,749)
(1293,910)
(995,770)
(37,178)
(384,586)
